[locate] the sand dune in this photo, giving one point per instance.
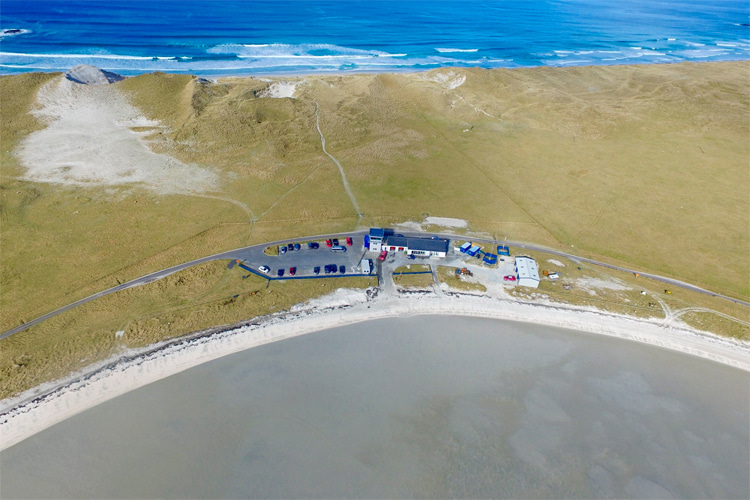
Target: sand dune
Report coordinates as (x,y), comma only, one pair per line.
(90,141)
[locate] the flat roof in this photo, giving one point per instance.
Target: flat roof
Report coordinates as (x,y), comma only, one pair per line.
(396,241)
(527,268)
(428,244)
(376,231)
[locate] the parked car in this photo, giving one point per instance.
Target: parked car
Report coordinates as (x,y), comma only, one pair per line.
(290,247)
(349,241)
(510,277)
(316,270)
(292,271)
(330,268)
(329,243)
(312,245)
(335,241)
(264,269)
(282,249)
(280,273)
(297,246)
(338,248)
(383,254)
(342,269)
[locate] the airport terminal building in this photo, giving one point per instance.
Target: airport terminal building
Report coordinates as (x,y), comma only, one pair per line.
(420,247)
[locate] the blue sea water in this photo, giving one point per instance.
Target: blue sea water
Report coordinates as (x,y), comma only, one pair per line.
(306,36)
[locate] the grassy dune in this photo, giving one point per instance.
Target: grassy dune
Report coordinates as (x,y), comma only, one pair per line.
(203,296)
(640,165)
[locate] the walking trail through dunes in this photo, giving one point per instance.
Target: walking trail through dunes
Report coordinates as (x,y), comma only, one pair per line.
(90,141)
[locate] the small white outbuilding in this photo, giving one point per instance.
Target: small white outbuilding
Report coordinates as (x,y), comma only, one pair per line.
(527,272)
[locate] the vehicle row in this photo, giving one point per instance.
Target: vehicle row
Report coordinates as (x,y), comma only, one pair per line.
(332,243)
(329,269)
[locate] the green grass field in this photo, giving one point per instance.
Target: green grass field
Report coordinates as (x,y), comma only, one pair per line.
(644,166)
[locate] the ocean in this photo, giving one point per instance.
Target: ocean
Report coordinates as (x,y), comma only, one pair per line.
(421,406)
(292,37)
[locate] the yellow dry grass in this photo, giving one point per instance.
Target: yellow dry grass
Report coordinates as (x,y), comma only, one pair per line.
(640,165)
(203,296)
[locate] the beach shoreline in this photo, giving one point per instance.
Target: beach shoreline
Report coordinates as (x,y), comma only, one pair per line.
(46,405)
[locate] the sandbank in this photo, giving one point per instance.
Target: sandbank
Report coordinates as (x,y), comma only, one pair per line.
(46,405)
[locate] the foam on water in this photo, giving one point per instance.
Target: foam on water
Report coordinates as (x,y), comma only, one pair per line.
(324,36)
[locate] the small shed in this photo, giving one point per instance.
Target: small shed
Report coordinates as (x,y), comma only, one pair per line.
(471,252)
(465,247)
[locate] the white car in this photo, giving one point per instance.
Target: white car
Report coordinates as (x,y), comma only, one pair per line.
(264,269)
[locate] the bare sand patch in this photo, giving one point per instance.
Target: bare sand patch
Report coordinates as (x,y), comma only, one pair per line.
(450,80)
(90,141)
(592,284)
(279,90)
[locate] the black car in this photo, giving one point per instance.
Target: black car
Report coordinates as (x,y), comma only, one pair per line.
(316,270)
(313,245)
(335,241)
(290,247)
(330,268)
(297,246)
(280,273)
(342,269)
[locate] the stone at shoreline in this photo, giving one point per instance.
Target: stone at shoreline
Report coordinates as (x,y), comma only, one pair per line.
(91,75)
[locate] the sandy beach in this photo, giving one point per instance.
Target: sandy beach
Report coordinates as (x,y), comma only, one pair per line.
(47,405)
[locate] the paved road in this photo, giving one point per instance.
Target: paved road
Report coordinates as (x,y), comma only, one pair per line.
(305,260)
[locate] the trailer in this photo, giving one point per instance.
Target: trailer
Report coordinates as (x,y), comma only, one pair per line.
(471,252)
(366,266)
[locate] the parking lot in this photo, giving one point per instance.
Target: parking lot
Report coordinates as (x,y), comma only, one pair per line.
(305,260)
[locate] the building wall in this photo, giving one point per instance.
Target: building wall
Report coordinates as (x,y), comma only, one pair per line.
(528,282)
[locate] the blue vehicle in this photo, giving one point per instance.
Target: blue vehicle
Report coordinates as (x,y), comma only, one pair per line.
(280,273)
(342,269)
(313,245)
(316,271)
(282,249)
(297,246)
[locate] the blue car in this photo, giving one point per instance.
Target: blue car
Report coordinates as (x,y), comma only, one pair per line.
(280,273)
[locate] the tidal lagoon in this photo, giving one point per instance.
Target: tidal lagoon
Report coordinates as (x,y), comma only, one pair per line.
(421,406)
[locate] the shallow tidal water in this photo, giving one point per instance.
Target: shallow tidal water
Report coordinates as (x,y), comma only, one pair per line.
(422,406)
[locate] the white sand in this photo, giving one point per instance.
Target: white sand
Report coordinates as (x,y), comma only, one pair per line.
(556,262)
(449,80)
(338,309)
(446,222)
(89,142)
(278,90)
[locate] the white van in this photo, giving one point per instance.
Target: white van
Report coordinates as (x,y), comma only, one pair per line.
(338,248)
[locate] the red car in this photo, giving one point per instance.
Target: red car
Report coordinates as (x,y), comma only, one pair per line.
(383,254)
(349,241)
(292,271)
(510,277)
(329,243)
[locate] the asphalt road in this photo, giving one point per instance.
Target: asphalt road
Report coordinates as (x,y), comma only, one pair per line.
(305,260)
